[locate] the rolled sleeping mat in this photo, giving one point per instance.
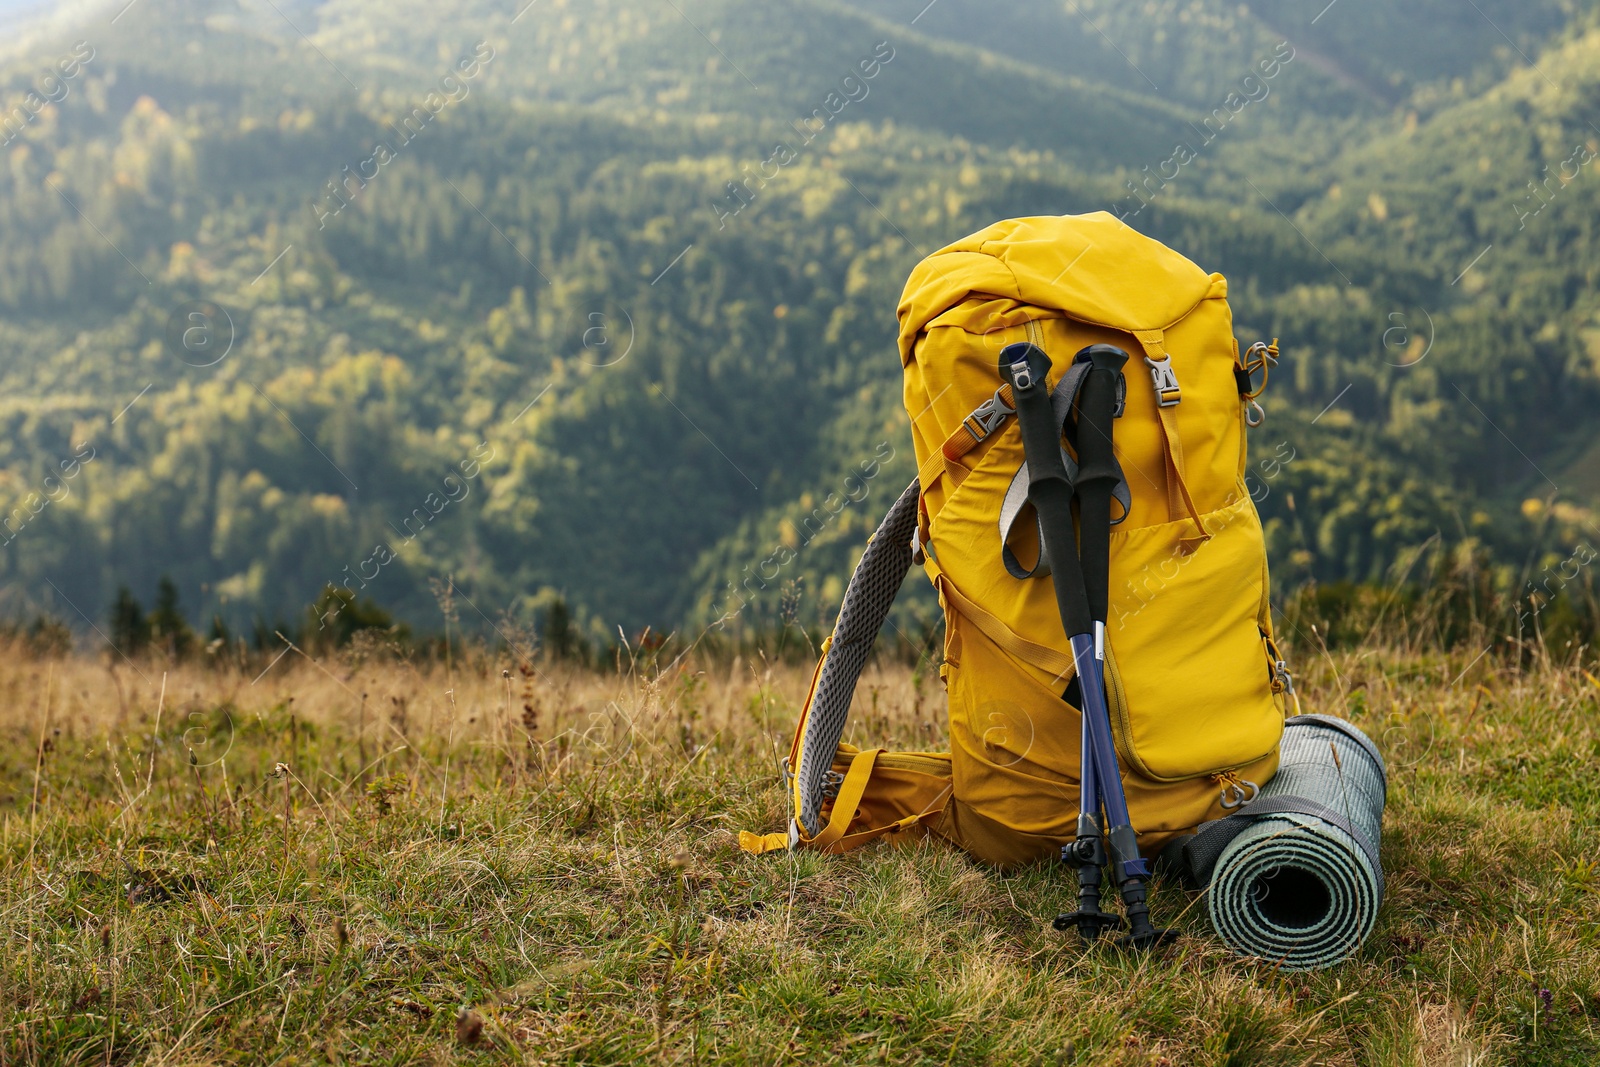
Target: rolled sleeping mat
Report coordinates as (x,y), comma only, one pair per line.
(1294,877)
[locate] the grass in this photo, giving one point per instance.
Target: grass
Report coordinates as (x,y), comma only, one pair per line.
(369,861)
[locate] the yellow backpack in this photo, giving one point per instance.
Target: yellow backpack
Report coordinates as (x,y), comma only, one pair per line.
(1197,689)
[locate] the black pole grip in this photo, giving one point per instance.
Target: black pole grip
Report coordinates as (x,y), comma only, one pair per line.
(1025,365)
(1097,470)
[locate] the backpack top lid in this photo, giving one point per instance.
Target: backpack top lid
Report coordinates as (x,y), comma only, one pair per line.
(1094,268)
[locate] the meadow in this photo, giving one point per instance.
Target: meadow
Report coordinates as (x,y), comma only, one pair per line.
(358,857)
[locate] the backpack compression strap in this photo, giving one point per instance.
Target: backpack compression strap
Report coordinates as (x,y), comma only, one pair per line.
(872,590)
(1168,395)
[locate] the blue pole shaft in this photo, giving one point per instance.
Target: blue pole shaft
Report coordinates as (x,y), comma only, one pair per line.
(1097,723)
(1088,781)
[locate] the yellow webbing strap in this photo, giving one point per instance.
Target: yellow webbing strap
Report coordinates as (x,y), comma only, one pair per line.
(1044,657)
(1178,499)
(969,434)
(759,843)
(833,837)
(846,803)
(933,468)
(844,810)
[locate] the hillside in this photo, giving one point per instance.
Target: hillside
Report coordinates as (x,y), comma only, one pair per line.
(770,64)
(541,348)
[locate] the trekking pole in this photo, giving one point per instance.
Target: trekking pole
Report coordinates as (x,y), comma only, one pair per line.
(1098,475)
(1050,491)
(1087,854)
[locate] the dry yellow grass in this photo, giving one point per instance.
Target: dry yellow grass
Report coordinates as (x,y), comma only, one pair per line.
(361,860)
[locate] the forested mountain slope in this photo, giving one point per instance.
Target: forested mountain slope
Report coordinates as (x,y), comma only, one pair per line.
(1192,50)
(496,314)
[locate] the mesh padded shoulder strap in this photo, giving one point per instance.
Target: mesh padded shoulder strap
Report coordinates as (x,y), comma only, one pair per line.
(866,604)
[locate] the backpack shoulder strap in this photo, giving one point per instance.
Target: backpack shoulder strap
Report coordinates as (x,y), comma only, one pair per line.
(866,604)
